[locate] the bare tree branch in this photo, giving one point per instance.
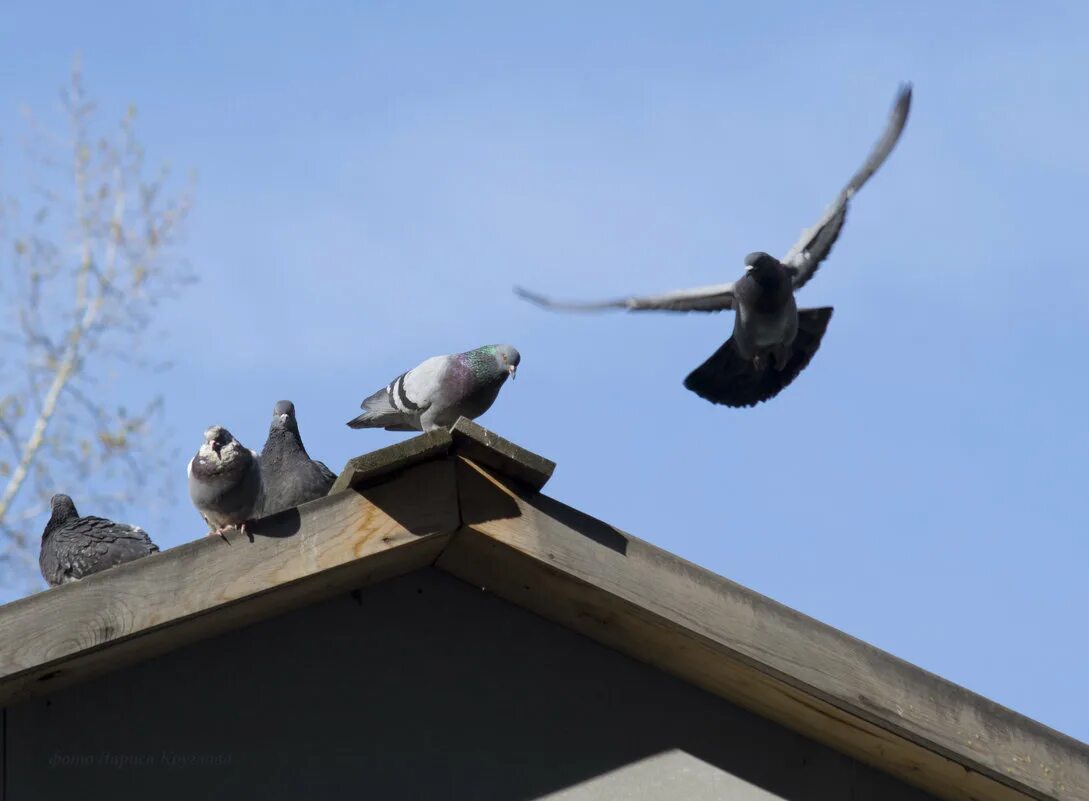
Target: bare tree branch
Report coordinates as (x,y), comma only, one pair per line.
(85,271)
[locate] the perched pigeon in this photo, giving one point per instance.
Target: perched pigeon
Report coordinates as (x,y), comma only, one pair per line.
(772,340)
(439,391)
(224,481)
(74,546)
(289,475)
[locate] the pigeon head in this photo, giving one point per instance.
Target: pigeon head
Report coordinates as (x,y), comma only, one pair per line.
(506,358)
(283,408)
(760,262)
(62,509)
(219,443)
(63,505)
(765,270)
(283,417)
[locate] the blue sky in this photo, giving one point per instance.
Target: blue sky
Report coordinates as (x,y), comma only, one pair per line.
(373,178)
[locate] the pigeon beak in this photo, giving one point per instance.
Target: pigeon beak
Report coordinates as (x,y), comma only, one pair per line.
(512,369)
(283,418)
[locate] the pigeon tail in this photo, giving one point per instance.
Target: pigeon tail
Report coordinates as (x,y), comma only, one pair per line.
(379,412)
(365,420)
(728,379)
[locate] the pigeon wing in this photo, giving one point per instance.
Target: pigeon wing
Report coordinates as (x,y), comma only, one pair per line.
(717,297)
(91,544)
(816,242)
(397,406)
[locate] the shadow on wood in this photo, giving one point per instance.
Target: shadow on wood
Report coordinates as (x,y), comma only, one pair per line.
(488,498)
(480,498)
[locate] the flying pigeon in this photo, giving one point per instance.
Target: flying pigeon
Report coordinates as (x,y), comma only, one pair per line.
(289,475)
(440,390)
(772,340)
(224,481)
(74,546)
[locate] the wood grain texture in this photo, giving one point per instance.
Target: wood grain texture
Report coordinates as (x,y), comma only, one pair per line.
(466,438)
(742,646)
(492,451)
(376,464)
(209,586)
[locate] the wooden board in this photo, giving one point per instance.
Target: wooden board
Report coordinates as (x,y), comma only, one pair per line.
(465,438)
(742,646)
(209,586)
(372,466)
(500,455)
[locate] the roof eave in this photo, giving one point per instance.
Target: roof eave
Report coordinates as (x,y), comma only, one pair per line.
(468,502)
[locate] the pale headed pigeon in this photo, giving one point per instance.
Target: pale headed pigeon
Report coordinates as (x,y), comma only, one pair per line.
(290,477)
(440,390)
(772,340)
(224,481)
(74,546)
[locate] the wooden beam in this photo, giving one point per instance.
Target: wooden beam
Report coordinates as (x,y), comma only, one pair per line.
(465,438)
(203,588)
(739,645)
(500,455)
(374,465)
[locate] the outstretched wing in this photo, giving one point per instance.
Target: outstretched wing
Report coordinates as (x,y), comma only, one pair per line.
(717,297)
(816,243)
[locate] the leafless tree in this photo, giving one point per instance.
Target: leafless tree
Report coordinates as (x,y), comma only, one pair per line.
(86,255)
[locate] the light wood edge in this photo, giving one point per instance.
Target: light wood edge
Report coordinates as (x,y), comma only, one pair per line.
(377,464)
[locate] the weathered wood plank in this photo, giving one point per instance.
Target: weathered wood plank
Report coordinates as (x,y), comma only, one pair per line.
(742,646)
(206,587)
(487,448)
(371,466)
(466,438)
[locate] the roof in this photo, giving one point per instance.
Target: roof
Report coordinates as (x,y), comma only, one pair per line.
(469,503)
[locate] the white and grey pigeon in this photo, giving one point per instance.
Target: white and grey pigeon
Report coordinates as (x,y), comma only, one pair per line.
(440,390)
(290,477)
(74,546)
(772,339)
(224,481)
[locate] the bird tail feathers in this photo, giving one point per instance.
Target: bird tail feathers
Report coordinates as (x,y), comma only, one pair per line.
(379,412)
(726,378)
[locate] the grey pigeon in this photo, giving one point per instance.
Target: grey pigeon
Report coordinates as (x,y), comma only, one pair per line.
(440,390)
(74,546)
(224,481)
(289,475)
(772,339)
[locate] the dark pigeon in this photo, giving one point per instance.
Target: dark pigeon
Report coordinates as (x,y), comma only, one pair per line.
(289,475)
(440,390)
(224,481)
(772,339)
(74,546)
